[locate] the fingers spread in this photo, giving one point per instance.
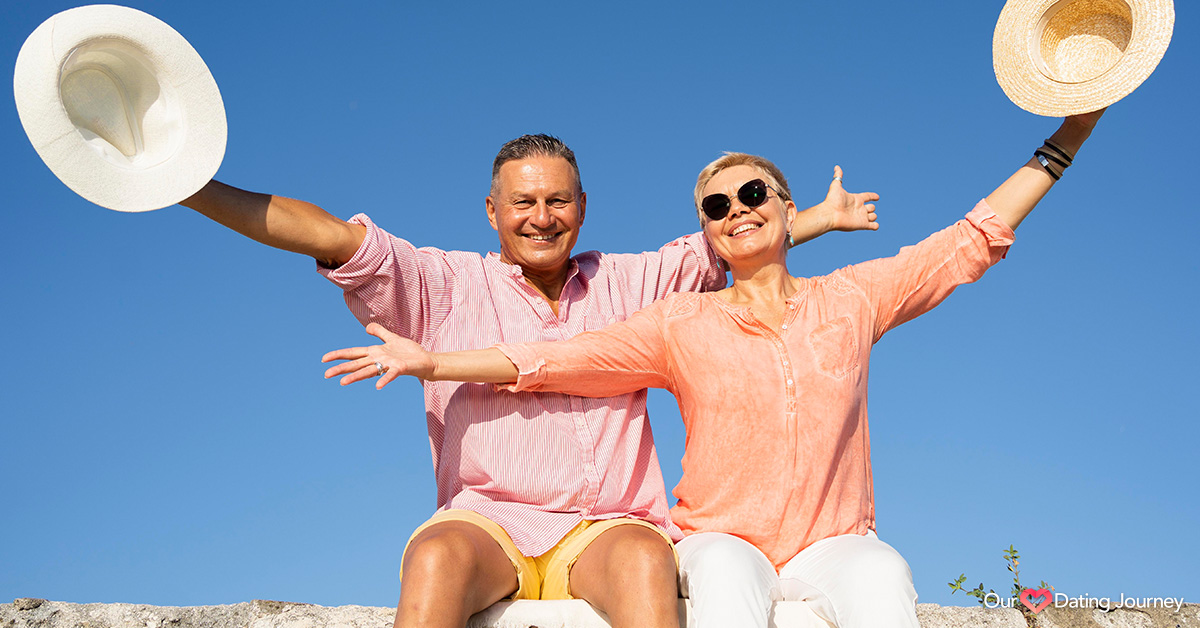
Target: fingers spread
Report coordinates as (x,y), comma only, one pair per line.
(357,376)
(349,367)
(380,332)
(387,378)
(351,353)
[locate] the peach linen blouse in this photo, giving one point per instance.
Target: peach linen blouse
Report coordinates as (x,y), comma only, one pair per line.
(777,447)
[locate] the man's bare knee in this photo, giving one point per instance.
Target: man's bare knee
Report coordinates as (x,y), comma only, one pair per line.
(629,573)
(632,559)
(452,570)
(441,551)
(643,553)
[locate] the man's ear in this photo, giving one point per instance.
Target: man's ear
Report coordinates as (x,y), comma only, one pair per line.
(491,211)
(582,206)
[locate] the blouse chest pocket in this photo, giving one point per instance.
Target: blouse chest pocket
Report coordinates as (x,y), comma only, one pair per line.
(835,347)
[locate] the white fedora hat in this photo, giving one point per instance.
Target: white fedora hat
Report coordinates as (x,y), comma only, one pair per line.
(120,107)
(1065,57)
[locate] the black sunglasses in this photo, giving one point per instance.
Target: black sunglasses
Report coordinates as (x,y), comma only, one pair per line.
(752,194)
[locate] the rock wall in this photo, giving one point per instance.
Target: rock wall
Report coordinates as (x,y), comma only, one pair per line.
(36,613)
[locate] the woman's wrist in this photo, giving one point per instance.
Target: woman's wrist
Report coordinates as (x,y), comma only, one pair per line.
(1072,134)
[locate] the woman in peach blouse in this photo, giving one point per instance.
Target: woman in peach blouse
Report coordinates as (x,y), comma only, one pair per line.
(771,378)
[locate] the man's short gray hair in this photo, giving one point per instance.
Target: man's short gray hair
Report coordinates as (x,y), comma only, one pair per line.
(539,145)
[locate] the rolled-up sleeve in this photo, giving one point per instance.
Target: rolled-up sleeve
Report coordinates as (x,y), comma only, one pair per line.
(389,281)
(618,359)
(921,276)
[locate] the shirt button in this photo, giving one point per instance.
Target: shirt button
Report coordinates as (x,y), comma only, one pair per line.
(789,382)
(791,306)
(785,325)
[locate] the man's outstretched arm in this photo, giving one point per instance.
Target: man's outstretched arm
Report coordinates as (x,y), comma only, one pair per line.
(283,223)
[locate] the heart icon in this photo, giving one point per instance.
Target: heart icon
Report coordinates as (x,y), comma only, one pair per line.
(1029,595)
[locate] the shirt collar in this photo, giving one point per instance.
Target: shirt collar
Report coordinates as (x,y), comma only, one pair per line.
(514,270)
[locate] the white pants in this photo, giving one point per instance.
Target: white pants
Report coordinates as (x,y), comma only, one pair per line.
(853,581)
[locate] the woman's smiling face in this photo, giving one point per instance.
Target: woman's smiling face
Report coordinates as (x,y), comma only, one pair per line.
(755,235)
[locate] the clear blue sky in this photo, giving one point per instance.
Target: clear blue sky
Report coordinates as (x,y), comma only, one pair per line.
(167,437)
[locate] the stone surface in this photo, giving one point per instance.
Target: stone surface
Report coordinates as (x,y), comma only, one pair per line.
(934,616)
(37,613)
(1146,617)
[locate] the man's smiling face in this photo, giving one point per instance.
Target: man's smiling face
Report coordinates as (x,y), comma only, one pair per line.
(537,209)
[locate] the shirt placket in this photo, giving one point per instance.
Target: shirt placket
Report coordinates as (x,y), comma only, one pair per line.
(584,435)
(581,408)
(783,359)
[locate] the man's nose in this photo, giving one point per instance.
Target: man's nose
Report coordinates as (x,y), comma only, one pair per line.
(541,217)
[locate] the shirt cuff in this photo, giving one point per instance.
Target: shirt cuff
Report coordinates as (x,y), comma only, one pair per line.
(531,368)
(365,261)
(994,230)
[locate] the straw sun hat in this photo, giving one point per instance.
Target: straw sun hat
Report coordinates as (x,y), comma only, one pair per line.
(1065,57)
(120,107)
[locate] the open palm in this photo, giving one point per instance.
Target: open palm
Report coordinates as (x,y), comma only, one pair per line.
(395,357)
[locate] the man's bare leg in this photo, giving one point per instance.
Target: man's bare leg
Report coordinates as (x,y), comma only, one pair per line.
(452,570)
(629,573)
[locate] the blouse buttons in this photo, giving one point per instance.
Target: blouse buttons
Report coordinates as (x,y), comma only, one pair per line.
(785,325)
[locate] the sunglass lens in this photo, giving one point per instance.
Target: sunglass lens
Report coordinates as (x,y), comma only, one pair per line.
(753,194)
(715,206)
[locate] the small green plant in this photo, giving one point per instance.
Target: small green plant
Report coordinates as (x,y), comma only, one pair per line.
(1013,559)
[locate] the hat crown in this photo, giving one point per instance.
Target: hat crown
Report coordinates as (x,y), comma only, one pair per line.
(1076,41)
(112,95)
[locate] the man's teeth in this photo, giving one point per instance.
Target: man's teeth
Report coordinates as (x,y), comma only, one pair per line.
(541,237)
(745,228)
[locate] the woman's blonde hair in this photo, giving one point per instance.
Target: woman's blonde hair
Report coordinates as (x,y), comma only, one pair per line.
(729,160)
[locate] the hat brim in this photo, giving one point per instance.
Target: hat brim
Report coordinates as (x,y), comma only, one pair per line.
(184,82)
(1029,88)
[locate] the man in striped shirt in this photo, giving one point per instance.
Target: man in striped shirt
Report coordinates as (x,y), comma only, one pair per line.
(539,495)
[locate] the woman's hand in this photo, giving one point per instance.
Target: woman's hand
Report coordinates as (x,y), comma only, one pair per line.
(397,356)
(846,211)
(1075,130)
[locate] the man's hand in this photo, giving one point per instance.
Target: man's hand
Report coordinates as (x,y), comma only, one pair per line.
(397,356)
(840,211)
(846,211)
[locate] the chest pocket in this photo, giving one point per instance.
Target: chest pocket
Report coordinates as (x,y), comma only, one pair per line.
(835,347)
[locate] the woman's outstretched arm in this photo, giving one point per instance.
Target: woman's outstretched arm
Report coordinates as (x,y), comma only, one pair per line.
(1017,196)
(621,358)
(400,356)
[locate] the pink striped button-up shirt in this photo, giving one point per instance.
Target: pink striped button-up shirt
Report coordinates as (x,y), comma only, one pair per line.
(535,463)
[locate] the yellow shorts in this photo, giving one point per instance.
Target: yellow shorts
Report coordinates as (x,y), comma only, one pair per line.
(545,577)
